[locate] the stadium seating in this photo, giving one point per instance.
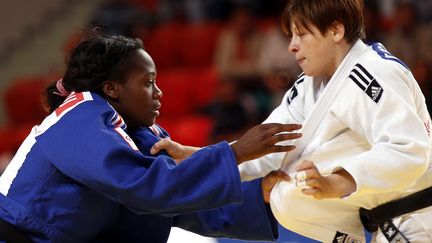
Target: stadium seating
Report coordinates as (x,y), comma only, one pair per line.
(23,108)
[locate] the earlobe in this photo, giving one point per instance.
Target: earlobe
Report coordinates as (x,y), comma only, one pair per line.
(110,89)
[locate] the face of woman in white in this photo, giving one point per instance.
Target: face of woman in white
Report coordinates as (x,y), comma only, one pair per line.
(318,54)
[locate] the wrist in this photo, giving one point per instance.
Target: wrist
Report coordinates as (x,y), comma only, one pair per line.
(265,191)
(236,153)
(189,150)
(344,183)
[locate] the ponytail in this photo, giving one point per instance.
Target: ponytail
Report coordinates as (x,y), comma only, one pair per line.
(52,98)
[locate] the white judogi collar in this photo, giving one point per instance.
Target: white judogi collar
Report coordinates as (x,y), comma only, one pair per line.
(323,103)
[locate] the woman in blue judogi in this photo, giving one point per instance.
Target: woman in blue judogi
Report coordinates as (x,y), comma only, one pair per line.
(85,174)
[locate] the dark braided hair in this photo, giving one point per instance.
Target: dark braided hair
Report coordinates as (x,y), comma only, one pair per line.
(94,60)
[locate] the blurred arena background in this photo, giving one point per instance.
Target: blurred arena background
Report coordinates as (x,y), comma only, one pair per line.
(223,65)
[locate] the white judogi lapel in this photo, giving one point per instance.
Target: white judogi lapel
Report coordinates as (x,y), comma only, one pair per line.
(321,107)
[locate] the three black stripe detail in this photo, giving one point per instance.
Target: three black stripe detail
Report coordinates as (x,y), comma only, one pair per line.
(361,75)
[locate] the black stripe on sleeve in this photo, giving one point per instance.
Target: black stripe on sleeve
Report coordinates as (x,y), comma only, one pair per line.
(357,82)
(365,71)
(366,82)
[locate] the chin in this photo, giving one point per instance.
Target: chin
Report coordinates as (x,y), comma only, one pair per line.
(152,122)
(149,121)
(311,73)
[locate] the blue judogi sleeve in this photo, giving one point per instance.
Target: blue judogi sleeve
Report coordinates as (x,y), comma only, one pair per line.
(101,156)
(249,220)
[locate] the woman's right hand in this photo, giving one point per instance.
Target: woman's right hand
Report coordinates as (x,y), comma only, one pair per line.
(262,139)
(176,150)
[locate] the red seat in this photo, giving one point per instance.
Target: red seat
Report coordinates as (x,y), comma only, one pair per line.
(179,45)
(23,108)
(23,100)
(162,44)
(177,89)
(12,136)
(197,44)
(186,91)
(205,86)
(192,130)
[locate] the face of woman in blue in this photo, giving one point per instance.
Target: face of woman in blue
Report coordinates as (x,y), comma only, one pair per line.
(137,97)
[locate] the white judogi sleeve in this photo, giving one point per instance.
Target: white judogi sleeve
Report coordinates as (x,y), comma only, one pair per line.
(395,124)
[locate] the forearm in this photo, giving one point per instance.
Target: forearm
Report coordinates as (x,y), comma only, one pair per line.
(250,220)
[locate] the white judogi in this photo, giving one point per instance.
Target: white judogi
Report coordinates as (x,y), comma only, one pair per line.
(376,128)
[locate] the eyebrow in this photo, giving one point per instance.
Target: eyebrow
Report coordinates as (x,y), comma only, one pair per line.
(146,74)
(152,73)
(149,74)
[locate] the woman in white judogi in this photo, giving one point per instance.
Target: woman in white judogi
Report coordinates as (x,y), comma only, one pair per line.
(366,130)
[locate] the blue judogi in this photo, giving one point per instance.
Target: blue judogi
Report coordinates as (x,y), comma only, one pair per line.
(79,177)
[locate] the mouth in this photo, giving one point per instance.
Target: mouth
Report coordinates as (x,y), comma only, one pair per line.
(301,60)
(156,109)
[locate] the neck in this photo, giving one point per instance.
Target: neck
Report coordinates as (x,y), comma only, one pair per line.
(340,52)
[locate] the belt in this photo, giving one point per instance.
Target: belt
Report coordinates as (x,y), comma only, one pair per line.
(372,218)
(11,234)
(382,215)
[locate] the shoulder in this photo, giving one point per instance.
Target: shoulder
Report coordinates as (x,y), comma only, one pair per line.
(88,111)
(158,131)
(379,61)
(152,134)
(78,110)
(146,137)
(72,101)
(378,70)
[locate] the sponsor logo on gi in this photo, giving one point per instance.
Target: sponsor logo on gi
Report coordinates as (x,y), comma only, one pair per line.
(374,91)
(344,238)
(392,234)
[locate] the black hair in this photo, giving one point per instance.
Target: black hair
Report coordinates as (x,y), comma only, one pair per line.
(96,59)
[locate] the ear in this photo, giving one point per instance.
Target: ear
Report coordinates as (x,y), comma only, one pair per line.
(111,89)
(337,31)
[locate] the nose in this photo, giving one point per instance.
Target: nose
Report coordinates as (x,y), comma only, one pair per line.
(293,45)
(157,94)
